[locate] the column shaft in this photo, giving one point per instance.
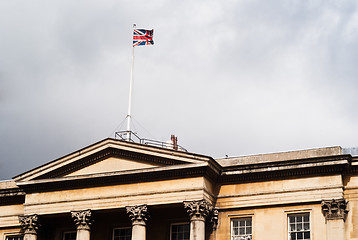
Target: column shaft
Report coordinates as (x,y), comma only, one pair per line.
(138,232)
(30,236)
(197,230)
(83,234)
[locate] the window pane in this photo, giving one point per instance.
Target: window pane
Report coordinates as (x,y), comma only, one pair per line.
(299,226)
(293,236)
(249,222)
(306,226)
(180,231)
(307,235)
(292,227)
(69,236)
(122,234)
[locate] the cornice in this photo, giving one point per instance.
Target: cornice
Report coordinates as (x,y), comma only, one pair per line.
(120,177)
(287,169)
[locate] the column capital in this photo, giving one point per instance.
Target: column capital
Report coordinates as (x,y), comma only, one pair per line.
(214,220)
(335,209)
(83,219)
(29,223)
(138,214)
(198,209)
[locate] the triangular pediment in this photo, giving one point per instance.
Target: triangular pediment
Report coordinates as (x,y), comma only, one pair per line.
(113,164)
(110,156)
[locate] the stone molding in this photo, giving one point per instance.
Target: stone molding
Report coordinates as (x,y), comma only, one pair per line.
(138,214)
(335,209)
(198,210)
(83,219)
(29,223)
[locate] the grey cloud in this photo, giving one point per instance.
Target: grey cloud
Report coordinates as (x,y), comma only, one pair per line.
(232,77)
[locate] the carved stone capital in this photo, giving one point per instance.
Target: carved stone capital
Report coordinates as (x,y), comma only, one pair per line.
(198,209)
(214,220)
(138,214)
(334,209)
(29,224)
(83,219)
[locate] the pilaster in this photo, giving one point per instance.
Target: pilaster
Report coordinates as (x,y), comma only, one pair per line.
(335,212)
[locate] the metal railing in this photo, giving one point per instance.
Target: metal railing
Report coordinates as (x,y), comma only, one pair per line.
(133,137)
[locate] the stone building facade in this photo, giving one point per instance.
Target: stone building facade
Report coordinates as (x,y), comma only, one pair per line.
(118,190)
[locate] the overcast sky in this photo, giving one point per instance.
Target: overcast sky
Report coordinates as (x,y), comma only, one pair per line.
(233,77)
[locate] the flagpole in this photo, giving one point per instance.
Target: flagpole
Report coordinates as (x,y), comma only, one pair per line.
(129,116)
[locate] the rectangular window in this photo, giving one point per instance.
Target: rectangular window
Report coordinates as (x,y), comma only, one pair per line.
(241,228)
(69,235)
(14,237)
(180,231)
(299,227)
(122,234)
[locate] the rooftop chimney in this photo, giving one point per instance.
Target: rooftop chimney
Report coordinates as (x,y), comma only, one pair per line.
(174,140)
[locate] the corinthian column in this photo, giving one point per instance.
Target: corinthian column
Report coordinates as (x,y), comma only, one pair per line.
(83,220)
(198,212)
(335,212)
(139,216)
(30,226)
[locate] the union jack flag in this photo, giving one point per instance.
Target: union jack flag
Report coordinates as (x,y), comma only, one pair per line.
(142,37)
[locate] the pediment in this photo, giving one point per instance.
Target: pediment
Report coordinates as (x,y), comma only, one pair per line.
(110,156)
(113,164)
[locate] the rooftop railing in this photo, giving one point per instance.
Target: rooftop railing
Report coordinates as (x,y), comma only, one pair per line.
(133,137)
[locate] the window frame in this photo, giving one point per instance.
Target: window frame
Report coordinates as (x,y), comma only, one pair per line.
(14,235)
(65,232)
(177,223)
(298,213)
(114,229)
(238,218)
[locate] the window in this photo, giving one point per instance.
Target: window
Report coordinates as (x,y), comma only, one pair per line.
(69,235)
(14,237)
(299,227)
(241,229)
(180,231)
(122,234)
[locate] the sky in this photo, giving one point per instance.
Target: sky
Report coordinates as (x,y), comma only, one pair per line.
(233,77)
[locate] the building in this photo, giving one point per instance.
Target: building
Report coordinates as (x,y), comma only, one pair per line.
(119,190)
